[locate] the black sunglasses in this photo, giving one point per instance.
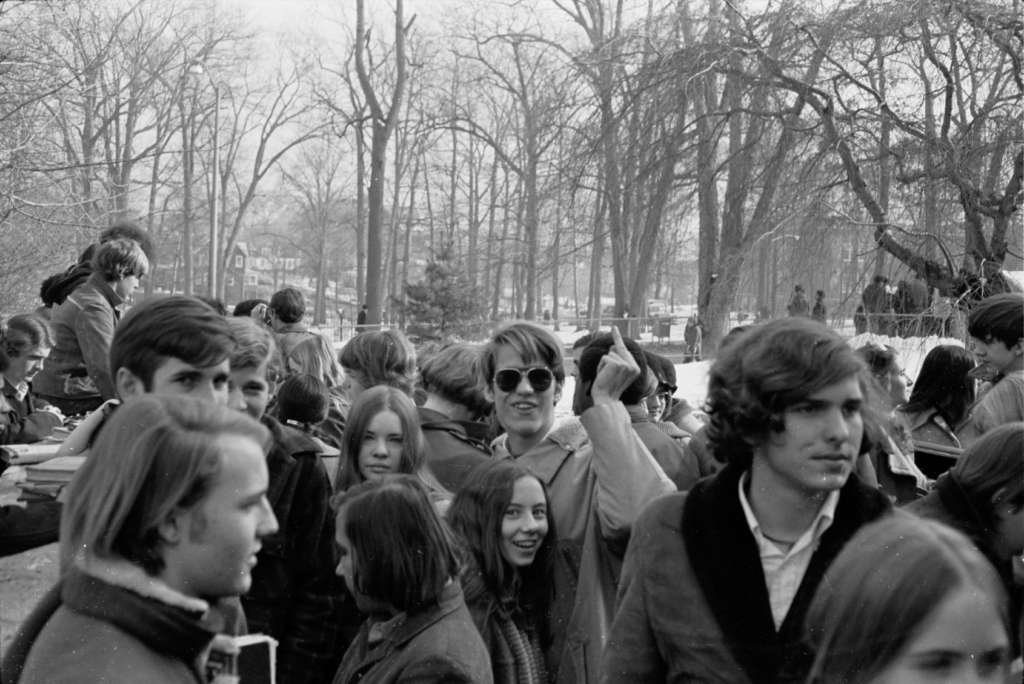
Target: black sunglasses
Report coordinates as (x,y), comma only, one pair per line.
(508,379)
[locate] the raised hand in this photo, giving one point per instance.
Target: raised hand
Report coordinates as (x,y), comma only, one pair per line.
(617,371)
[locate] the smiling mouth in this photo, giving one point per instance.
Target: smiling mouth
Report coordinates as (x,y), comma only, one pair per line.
(526,545)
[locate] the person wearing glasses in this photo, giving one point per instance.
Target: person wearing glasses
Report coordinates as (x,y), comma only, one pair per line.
(679,464)
(598,478)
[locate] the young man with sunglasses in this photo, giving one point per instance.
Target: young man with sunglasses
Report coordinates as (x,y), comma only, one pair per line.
(597,477)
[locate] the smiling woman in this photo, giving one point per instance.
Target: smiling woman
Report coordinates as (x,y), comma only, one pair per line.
(25,343)
(501,516)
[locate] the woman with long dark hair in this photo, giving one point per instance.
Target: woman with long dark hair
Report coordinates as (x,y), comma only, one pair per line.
(501,517)
(942,393)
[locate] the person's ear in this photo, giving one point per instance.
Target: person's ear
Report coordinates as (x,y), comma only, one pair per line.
(558,392)
(172,529)
(128,384)
(489,391)
(1018,349)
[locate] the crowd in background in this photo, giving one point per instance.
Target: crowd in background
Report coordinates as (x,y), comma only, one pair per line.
(389,514)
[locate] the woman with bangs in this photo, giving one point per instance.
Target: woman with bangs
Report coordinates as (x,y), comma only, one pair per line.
(382,438)
(400,561)
(501,515)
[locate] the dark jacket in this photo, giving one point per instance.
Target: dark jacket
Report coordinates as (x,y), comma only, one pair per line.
(296,596)
(434,646)
(679,464)
(950,504)
(451,453)
(20,420)
(692,603)
(114,626)
(83,328)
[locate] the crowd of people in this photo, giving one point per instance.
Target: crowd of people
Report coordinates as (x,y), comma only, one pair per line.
(389,514)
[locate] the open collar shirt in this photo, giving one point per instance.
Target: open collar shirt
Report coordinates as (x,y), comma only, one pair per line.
(784,570)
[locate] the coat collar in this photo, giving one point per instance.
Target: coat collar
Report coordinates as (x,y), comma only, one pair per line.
(727,565)
(409,625)
(101,284)
(567,435)
(122,594)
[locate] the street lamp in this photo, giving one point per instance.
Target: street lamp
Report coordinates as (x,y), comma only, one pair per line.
(199,67)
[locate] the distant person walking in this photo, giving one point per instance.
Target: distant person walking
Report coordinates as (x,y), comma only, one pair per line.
(798,305)
(693,337)
(361,319)
(819,312)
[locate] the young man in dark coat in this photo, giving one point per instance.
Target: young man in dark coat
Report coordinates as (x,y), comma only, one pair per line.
(717,580)
(456,400)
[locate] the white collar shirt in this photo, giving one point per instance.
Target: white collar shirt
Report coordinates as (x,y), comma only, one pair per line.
(784,570)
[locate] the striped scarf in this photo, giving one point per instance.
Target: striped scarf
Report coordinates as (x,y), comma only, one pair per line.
(527,653)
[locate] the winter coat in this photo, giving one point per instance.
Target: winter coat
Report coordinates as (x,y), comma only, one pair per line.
(929,429)
(83,328)
(798,305)
(1002,404)
(693,605)
(115,623)
(289,335)
(596,490)
(451,453)
(436,645)
(679,464)
(296,596)
(21,421)
(819,312)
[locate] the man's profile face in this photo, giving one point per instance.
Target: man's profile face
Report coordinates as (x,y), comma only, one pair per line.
(994,355)
(819,444)
(577,354)
(221,535)
(176,377)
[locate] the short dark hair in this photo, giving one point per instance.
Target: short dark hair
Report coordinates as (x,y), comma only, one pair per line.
(49,301)
(583,340)
(20,333)
(404,553)
(129,230)
(999,317)
(244,308)
(289,304)
(820,294)
(799,288)
(769,368)
(476,515)
(454,374)
(598,349)
(944,383)
(303,399)
(169,327)
(530,341)
(662,366)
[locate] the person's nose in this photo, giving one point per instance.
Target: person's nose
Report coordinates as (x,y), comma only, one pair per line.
(837,428)
(524,386)
(530,523)
(380,448)
(268,524)
(235,399)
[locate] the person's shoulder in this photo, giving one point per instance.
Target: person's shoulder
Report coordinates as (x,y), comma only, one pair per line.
(664,513)
(289,441)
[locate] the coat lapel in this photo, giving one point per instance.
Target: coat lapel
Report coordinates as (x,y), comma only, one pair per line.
(727,565)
